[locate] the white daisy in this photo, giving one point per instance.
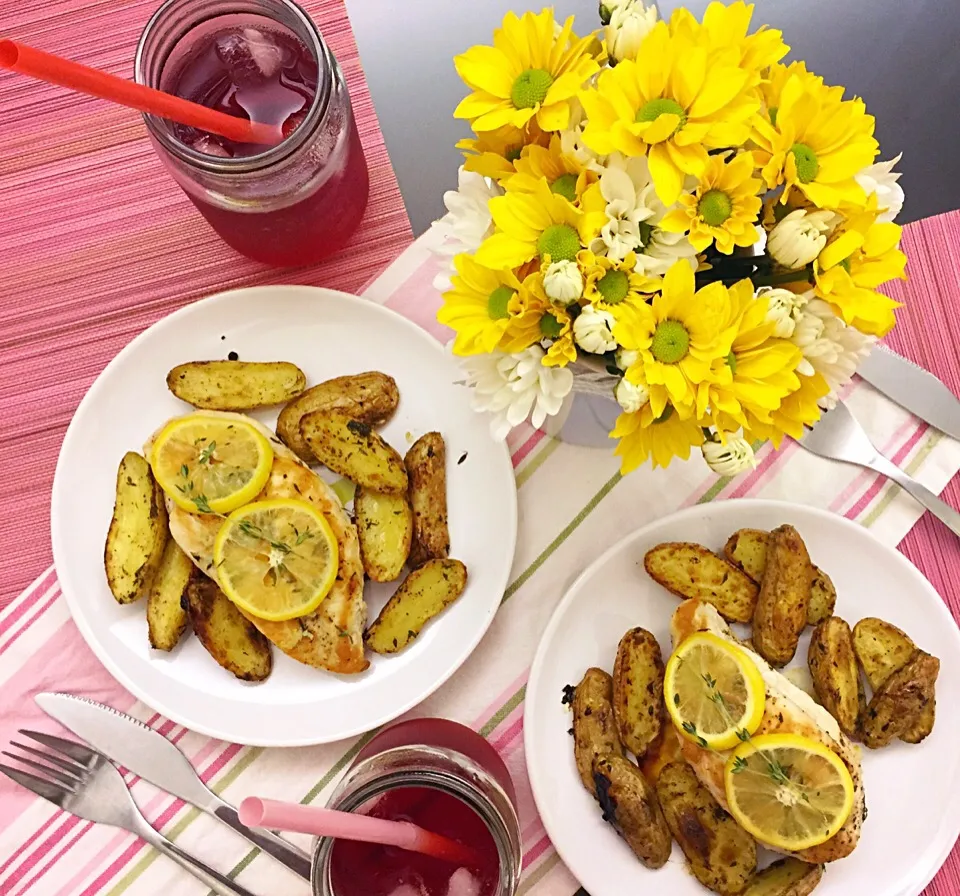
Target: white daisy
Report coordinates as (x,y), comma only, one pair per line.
(628,25)
(467,222)
(515,387)
(593,330)
(829,347)
(881,179)
(783,308)
(800,237)
(563,282)
(730,459)
(631,396)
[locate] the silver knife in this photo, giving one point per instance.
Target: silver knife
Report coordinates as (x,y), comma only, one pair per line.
(913,388)
(147,753)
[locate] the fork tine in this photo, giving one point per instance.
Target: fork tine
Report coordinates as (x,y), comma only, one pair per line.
(73,749)
(46,789)
(71,768)
(58,776)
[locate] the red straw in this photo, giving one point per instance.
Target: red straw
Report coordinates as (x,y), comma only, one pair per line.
(57,70)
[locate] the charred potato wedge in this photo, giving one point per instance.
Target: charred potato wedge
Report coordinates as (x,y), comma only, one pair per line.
(235,385)
(368,397)
(630,804)
(747,550)
(781,611)
(166,615)
(594,727)
(230,638)
(385,527)
(836,676)
(692,571)
(425,593)
(354,450)
(785,877)
(426,464)
(900,700)
(922,726)
(138,531)
(638,690)
(721,855)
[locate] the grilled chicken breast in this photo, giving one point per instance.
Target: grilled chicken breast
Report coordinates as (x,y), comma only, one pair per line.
(332,636)
(788,711)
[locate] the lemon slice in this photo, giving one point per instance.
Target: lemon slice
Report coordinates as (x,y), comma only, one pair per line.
(211,464)
(276,559)
(788,791)
(714,692)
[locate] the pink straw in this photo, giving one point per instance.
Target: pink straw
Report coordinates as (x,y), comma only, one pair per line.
(280,816)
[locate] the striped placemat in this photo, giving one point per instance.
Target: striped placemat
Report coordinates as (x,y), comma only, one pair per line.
(97,242)
(572,500)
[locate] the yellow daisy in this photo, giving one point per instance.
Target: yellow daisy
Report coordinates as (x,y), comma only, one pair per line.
(725,28)
(679,337)
(476,307)
(817,145)
(860,255)
(540,224)
(494,153)
(724,208)
(660,438)
(565,175)
(615,286)
(799,409)
(673,103)
(759,372)
(771,87)
(533,69)
(534,318)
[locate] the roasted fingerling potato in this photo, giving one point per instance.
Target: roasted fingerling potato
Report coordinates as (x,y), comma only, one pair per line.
(721,855)
(899,701)
(630,804)
(236,385)
(228,636)
(138,531)
(385,526)
(369,397)
(823,597)
(166,614)
(785,877)
(781,610)
(692,571)
(426,592)
(835,673)
(426,464)
(594,727)
(354,450)
(638,690)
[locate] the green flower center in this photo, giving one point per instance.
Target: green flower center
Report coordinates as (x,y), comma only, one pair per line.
(773,115)
(550,326)
(646,231)
(666,415)
(513,153)
(670,342)
(498,301)
(807,165)
(560,241)
(715,207)
(845,264)
(653,109)
(566,186)
(530,88)
(613,286)
(732,362)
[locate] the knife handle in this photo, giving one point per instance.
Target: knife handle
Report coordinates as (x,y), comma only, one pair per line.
(920,493)
(286,853)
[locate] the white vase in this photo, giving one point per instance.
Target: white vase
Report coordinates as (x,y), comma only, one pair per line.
(585,419)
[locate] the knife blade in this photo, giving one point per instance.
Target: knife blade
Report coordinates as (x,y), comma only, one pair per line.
(913,388)
(128,742)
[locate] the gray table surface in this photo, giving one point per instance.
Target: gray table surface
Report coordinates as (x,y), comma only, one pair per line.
(902,58)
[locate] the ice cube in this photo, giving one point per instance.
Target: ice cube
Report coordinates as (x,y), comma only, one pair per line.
(463,883)
(409,890)
(210,146)
(249,56)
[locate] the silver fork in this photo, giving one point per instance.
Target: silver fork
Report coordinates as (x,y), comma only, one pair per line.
(85,783)
(838,436)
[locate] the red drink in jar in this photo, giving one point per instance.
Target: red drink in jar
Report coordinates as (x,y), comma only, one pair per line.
(291,204)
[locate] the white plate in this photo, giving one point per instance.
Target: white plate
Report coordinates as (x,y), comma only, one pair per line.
(911,791)
(327,334)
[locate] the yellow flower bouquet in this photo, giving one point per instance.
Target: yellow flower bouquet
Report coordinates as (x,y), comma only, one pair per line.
(670,214)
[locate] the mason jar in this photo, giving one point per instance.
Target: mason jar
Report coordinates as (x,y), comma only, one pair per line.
(290,204)
(438,756)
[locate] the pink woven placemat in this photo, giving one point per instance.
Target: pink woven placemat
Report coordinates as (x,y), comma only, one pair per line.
(97,242)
